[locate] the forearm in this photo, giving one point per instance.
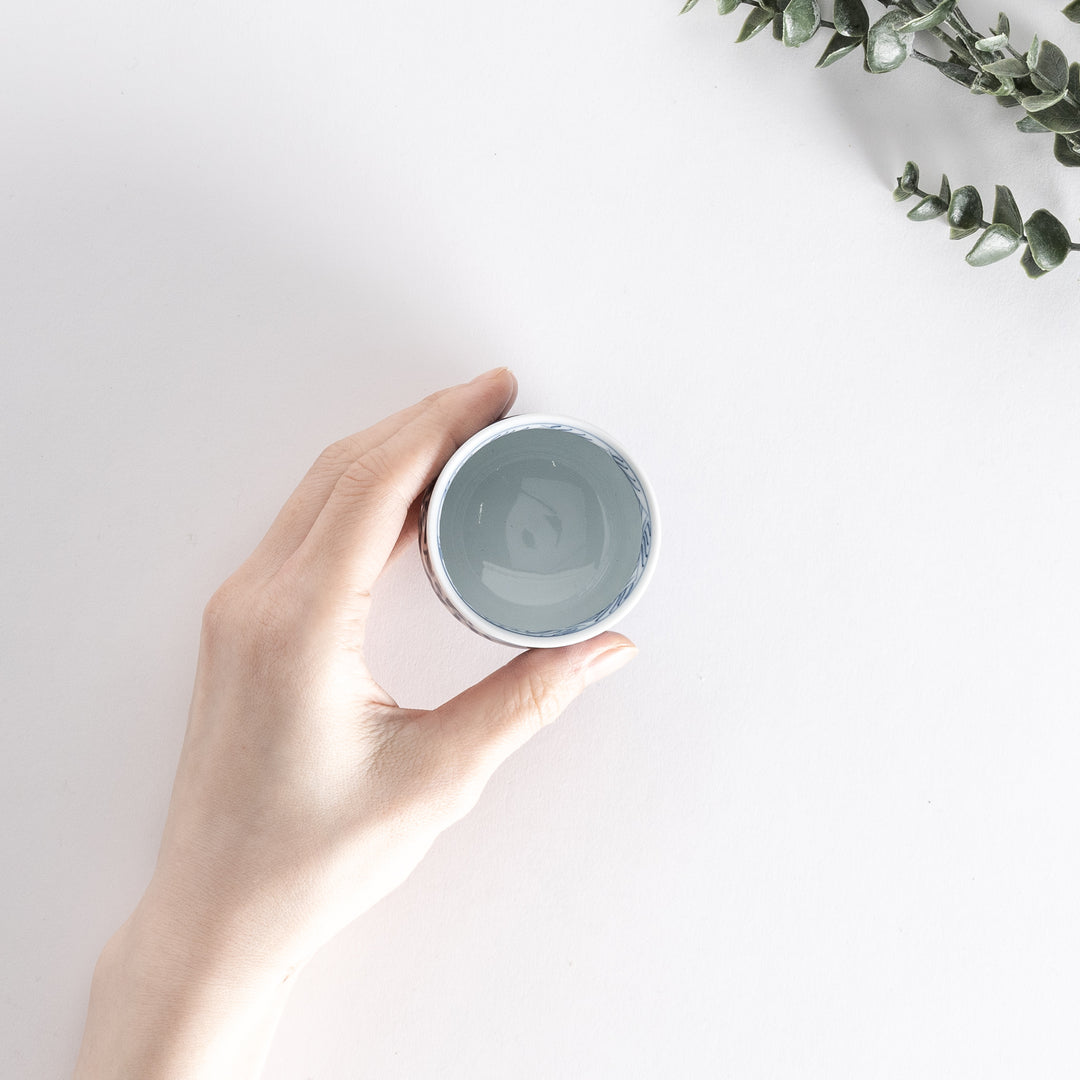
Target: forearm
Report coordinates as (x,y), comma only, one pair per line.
(156,1014)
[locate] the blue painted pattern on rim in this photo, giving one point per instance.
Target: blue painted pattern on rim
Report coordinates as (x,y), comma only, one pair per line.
(608,609)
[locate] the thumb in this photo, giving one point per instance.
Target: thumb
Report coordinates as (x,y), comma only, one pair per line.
(488,722)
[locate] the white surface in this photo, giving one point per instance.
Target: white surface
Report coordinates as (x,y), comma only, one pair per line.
(826,824)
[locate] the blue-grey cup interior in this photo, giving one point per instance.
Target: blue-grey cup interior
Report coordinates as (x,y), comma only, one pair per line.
(544,530)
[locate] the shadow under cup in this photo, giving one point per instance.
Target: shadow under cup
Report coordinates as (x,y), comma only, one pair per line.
(543,530)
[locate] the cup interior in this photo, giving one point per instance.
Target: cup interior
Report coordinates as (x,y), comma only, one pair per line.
(543,530)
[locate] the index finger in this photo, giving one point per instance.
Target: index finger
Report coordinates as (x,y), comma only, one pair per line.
(356,530)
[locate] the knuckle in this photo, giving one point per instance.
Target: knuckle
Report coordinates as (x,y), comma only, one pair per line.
(374,474)
(437,410)
(459,799)
(450,797)
(539,698)
(243,623)
(220,612)
(337,454)
(460,782)
(269,618)
(441,425)
(373,466)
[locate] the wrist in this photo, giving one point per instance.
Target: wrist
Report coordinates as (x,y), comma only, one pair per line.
(164,1003)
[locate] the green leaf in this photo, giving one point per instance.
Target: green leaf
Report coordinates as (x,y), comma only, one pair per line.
(887,47)
(909,181)
(1063,117)
(838,47)
(997,243)
(1048,66)
(801,21)
(1064,152)
(1030,126)
(928,21)
(1040,102)
(1031,267)
(1002,25)
(1009,68)
(1072,11)
(1048,240)
(756,21)
(851,19)
(993,44)
(687,6)
(1006,212)
(726,7)
(945,194)
(965,211)
(927,208)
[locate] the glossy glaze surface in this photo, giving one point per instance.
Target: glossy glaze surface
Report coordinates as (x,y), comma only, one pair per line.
(540,529)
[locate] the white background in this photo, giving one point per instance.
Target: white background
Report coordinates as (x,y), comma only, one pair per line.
(826,824)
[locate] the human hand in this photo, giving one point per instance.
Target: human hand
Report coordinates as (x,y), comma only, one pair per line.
(304,792)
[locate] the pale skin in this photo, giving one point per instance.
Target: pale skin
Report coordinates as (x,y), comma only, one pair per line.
(304,792)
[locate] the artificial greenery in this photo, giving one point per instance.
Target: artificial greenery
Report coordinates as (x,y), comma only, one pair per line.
(1047,240)
(1042,82)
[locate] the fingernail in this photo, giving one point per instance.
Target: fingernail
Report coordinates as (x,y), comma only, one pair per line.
(608,662)
(493,373)
(512,396)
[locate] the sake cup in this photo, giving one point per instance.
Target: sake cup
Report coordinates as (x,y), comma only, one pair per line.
(540,531)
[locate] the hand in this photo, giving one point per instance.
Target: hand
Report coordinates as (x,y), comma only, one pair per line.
(304,792)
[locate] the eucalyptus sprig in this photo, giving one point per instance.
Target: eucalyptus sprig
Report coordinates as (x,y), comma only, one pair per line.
(1047,240)
(1041,81)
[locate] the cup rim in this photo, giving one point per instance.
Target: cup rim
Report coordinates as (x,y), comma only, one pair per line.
(433,520)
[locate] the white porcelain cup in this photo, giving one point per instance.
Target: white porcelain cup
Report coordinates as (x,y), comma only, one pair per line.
(540,531)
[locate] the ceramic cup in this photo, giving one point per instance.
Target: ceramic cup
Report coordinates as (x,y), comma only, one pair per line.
(539,531)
